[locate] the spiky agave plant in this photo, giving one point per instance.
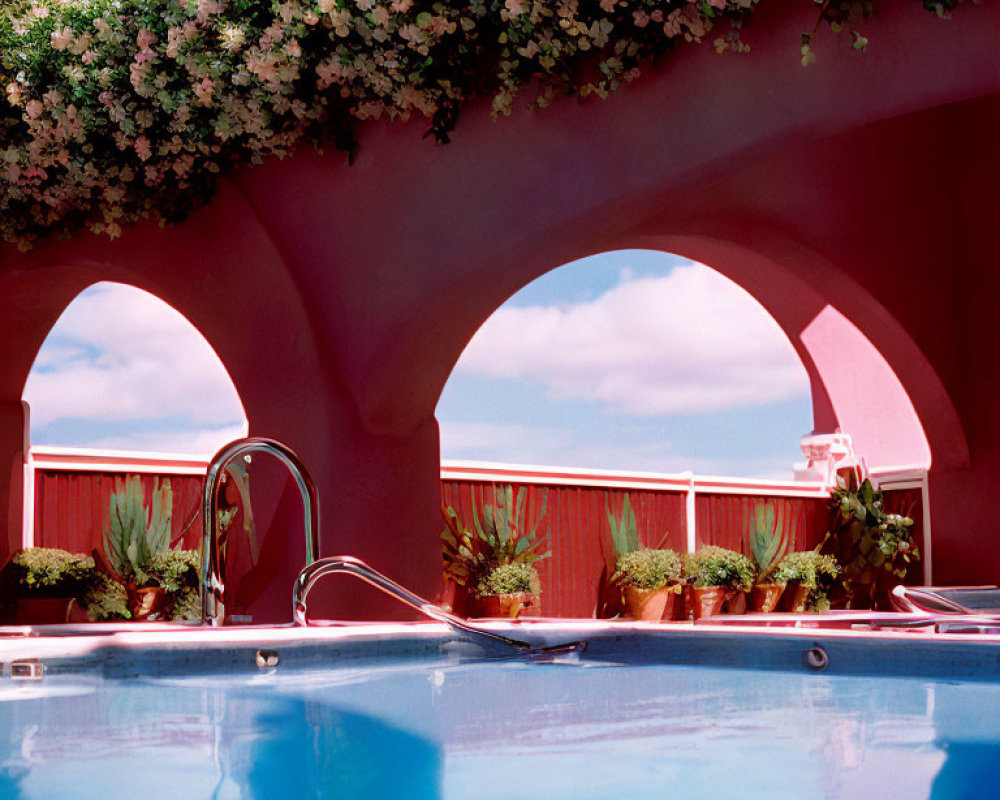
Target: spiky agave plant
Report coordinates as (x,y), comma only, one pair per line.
(502,534)
(625,531)
(770,531)
(134,535)
(507,535)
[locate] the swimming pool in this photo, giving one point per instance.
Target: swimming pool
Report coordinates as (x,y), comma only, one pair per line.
(409,711)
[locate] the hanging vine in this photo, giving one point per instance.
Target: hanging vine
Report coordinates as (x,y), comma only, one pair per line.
(113,111)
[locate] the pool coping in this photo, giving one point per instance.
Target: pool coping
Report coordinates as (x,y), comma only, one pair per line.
(81,640)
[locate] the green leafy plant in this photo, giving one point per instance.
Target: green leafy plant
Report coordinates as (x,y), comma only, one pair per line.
(509,579)
(51,570)
(876,548)
(770,530)
(187,605)
(625,530)
(718,566)
(134,535)
(106,600)
(647,568)
(502,534)
(811,569)
(174,570)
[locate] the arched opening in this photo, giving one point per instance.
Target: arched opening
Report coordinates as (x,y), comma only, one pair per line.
(642,360)
(645,381)
(123,370)
(126,402)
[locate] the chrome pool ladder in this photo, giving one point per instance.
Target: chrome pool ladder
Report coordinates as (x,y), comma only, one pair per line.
(359,569)
(213,575)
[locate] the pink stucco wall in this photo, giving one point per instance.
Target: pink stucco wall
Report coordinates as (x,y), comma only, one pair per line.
(340,297)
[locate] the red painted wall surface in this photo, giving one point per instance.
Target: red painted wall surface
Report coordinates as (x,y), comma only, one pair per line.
(71,508)
(340,297)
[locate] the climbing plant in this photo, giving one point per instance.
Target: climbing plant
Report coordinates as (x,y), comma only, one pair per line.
(113,111)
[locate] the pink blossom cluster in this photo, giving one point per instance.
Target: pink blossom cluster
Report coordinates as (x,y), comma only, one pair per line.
(111,112)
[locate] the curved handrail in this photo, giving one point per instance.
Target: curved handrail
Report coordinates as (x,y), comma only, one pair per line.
(349,565)
(212,578)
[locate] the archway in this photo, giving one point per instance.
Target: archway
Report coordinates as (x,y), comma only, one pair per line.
(630,360)
(121,369)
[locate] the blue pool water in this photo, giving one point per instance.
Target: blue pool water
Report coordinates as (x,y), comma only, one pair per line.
(433,728)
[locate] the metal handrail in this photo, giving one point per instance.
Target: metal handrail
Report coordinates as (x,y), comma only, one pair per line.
(353,566)
(212,567)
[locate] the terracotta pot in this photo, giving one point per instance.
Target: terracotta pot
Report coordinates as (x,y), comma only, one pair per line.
(765,596)
(736,602)
(147,602)
(518,604)
(794,598)
(43,610)
(704,602)
(449,589)
(650,605)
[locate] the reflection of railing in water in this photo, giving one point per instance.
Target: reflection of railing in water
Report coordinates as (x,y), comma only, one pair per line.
(212,557)
(359,569)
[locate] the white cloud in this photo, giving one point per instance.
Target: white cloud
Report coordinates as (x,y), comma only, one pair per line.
(204,442)
(561,447)
(686,343)
(118,353)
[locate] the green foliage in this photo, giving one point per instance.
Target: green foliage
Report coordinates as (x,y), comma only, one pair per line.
(625,531)
(717,566)
(134,534)
(187,606)
(51,569)
(106,600)
(174,570)
(875,547)
(502,534)
(647,568)
(770,530)
(509,578)
(808,568)
(119,110)
(816,572)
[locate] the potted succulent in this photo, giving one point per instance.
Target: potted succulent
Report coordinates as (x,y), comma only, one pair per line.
(770,531)
(48,582)
(156,579)
(810,576)
(481,559)
(715,575)
(650,579)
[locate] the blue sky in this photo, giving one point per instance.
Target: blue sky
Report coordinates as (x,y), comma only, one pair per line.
(629,360)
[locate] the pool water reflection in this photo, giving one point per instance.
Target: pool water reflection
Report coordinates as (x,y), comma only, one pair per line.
(501,730)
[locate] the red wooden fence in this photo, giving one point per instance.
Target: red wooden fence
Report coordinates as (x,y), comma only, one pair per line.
(576,522)
(70,508)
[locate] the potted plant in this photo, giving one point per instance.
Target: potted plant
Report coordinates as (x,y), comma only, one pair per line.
(510,590)
(138,552)
(875,547)
(650,581)
(810,576)
(615,596)
(769,535)
(715,575)
(48,582)
(501,536)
